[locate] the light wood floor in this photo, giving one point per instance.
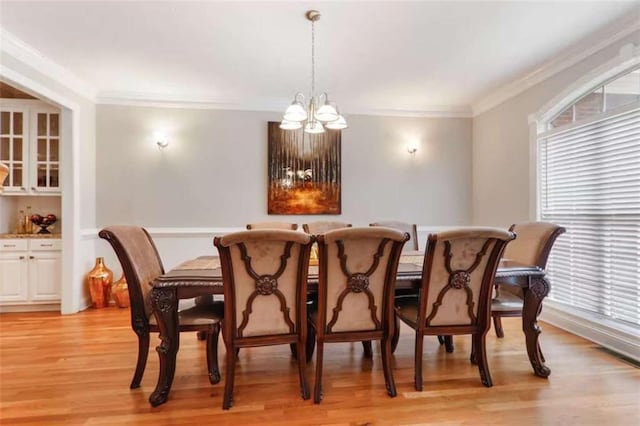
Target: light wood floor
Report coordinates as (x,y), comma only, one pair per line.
(68,370)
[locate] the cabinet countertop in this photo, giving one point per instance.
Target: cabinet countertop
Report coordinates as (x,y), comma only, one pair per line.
(30,236)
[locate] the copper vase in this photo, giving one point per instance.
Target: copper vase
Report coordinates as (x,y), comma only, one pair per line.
(120,292)
(100,279)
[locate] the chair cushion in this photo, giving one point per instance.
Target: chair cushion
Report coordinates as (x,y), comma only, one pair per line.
(507,302)
(198,315)
(407,308)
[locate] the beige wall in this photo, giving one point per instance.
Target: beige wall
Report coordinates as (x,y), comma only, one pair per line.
(214,172)
(501,144)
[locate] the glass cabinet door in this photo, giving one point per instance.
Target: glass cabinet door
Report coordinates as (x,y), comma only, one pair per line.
(13,147)
(46,153)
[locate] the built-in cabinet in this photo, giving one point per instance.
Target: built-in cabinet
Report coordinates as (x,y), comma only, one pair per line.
(30,147)
(30,271)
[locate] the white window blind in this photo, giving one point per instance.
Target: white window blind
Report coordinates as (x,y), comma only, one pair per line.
(590,184)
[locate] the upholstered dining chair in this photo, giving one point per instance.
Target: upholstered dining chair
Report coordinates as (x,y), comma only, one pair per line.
(265,292)
(320,227)
(456,289)
(141,264)
(532,247)
(357,274)
(411,229)
(272,225)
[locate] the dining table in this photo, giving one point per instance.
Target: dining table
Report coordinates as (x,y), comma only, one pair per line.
(202,277)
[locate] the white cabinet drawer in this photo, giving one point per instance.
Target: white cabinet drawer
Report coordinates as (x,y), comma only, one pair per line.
(45,245)
(13,245)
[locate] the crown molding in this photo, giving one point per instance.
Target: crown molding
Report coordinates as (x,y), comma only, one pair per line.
(582,50)
(442,111)
(201,102)
(158,100)
(15,47)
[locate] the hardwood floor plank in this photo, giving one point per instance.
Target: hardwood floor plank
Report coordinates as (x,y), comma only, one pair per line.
(75,370)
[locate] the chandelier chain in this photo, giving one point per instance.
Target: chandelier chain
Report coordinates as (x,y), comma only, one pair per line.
(313,59)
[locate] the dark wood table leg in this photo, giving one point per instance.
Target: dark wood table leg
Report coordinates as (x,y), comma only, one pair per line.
(165,307)
(538,289)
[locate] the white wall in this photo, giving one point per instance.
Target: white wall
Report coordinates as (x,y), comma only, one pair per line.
(29,72)
(501,144)
(214,172)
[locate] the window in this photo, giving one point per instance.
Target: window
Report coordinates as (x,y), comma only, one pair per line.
(619,92)
(590,184)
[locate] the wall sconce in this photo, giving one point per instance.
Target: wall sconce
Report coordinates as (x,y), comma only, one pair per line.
(412,147)
(161,140)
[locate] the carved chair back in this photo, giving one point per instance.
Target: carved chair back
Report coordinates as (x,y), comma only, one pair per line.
(411,229)
(140,263)
(458,273)
(534,242)
(265,282)
(320,227)
(357,273)
(272,225)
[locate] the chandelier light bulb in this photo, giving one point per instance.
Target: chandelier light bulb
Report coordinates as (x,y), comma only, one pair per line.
(313,127)
(326,113)
(290,125)
(295,112)
(338,124)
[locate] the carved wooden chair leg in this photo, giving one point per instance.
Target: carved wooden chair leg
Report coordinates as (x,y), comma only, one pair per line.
(396,333)
(368,350)
(441,340)
(386,367)
(317,390)
(540,353)
(302,364)
(497,324)
(311,342)
(481,356)
(143,353)
(294,350)
(229,376)
(448,344)
(418,361)
(473,358)
(212,354)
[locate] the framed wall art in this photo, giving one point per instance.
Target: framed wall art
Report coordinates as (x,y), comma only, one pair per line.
(304,172)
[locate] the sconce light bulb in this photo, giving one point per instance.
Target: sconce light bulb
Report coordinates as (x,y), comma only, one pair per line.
(412,147)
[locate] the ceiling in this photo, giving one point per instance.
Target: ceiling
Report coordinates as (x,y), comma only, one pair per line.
(370,56)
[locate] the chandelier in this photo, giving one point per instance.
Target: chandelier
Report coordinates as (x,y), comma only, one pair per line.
(319,113)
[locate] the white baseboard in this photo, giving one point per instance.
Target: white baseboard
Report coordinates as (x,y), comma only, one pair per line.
(34,307)
(624,340)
